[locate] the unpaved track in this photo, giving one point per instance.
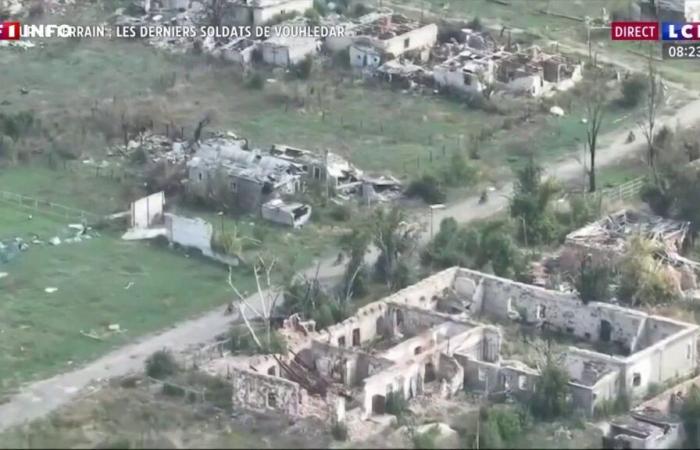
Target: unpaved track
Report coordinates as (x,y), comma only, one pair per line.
(42,397)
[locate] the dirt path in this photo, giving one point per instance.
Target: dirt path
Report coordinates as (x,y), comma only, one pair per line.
(40,398)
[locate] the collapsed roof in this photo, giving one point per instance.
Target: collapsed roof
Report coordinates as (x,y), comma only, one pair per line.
(613,231)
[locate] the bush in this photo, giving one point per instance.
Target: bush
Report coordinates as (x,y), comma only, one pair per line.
(173,391)
(690,414)
(161,364)
(549,399)
(657,200)
(396,404)
(255,81)
(321,7)
(426,440)
(475,24)
(313,16)
(426,188)
(593,281)
(241,341)
(304,68)
(339,431)
(340,213)
(634,88)
(359,10)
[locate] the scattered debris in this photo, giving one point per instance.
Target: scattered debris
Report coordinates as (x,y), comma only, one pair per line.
(291,214)
(557,111)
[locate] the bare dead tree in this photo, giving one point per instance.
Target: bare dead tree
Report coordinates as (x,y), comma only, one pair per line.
(595,110)
(200,126)
(267,297)
(648,125)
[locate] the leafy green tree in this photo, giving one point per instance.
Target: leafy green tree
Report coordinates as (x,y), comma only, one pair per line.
(530,205)
(395,240)
(355,245)
(549,400)
(593,281)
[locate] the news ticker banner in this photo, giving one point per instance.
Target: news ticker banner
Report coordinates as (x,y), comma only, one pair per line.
(17,31)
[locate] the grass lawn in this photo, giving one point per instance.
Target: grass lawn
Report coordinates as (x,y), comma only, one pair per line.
(378,128)
(41,331)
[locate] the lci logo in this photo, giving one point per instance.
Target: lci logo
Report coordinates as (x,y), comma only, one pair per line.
(9,31)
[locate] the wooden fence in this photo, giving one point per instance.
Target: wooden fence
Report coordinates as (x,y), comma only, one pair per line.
(624,191)
(46,207)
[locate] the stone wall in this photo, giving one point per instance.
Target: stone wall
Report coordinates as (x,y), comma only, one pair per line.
(262,392)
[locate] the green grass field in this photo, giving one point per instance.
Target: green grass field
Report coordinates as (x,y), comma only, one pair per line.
(41,331)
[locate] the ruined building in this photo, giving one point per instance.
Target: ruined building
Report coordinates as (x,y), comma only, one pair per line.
(444,334)
(260,12)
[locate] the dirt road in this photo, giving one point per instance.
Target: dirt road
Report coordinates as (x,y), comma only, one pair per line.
(40,398)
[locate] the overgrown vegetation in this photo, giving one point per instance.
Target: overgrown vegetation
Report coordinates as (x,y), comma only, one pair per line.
(241,342)
(499,427)
(634,87)
(530,206)
(549,401)
(476,247)
(309,299)
(161,364)
(643,279)
(427,188)
(607,408)
(593,281)
(339,431)
(396,403)
(690,414)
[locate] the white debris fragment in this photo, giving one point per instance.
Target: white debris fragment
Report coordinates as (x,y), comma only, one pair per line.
(557,111)
(50,290)
(55,240)
(113,327)
(3,275)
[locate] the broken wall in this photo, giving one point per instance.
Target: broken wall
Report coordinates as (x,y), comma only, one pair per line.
(348,367)
(189,232)
(145,211)
(561,311)
(425,36)
(261,392)
(451,374)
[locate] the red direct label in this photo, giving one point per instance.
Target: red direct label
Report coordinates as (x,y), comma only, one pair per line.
(634,31)
(9,31)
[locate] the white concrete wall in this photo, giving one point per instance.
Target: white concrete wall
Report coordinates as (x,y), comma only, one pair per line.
(287,55)
(264,14)
(146,209)
(444,77)
(189,232)
(425,36)
(361,56)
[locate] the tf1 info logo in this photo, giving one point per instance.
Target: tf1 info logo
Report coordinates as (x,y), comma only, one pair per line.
(9,31)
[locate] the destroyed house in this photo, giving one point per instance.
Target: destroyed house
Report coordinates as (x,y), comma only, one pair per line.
(329,167)
(536,73)
(610,234)
(381,37)
(642,430)
(249,176)
(432,339)
(469,71)
(260,12)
